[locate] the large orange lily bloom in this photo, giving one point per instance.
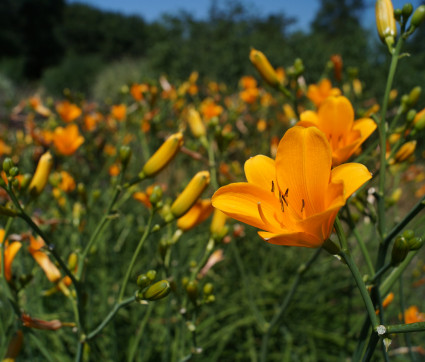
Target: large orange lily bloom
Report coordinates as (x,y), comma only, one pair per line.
(296,197)
(335,118)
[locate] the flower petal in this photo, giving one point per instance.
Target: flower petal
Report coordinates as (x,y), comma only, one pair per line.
(261,171)
(336,117)
(292,238)
(308,119)
(353,175)
(366,126)
(240,201)
(303,164)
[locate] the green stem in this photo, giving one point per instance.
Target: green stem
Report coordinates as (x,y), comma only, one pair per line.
(109,317)
(402,309)
(300,272)
(341,235)
(362,288)
(135,255)
(382,128)
(406,328)
(208,144)
(98,230)
(380,272)
(208,251)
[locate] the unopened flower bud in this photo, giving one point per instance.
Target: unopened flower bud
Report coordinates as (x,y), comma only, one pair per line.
(25,181)
(41,174)
(218,224)
(407,10)
(410,116)
(208,288)
(385,21)
(162,156)
(397,14)
(157,291)
(7,164)
(125,154)
(418,16)
(14,171)
(156,195)
(405,151)
(72,260)
(408,234)
(151,274)
(415,243)
(414,95)
(7,212)
(143,281)
(190,194)
(267,72)
(196,125)
(399,251)
(419,120)
(192,290)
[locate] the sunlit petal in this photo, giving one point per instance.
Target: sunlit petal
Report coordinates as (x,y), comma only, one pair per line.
(267,175)
(292,238)
(353,175)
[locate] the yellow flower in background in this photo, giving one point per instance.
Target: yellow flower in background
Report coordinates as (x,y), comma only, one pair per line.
(10,251)
(119,111)
(196,124)
(137,91)
(43,260)
(385,21)
(335,118)
(296,197)
(318,93)
(67,140)
(210,109)
(266,70)
(68,111)
(41,174)
(198,213)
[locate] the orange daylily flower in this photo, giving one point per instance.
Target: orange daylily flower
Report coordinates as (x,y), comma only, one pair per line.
(198,213)
(412,315)
(335,118)
(4,148)
(10,252)
(249,95)
(119,111)
(67,140)
(67,183)
(91,120)
(68,111)
(318,93)
(248,81)
(209,109)
(37,105)
(296,197)
(42,259)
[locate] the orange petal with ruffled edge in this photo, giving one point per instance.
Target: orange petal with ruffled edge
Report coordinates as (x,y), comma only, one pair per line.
(303,165)
(353,176)
(261,171)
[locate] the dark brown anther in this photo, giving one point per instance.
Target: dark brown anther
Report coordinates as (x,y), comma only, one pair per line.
(272,186)
(303,204)
(286,195)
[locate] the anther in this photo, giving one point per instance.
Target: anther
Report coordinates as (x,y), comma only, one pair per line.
(303,204)
(272,186)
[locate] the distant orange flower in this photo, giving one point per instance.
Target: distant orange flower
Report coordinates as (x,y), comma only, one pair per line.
(336,60)
(210,109)
(114,170)
(4,148)
(67,140)
(68,111)
(143,196)
(42,259)
(412,315)
(318,93)
(248,81)
(119,111)
(11,249)
(67,183)
(137,91)
(35,103)
(335,118)
(91,120)
(249,95)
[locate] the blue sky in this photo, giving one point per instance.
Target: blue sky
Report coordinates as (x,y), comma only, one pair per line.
(302,10)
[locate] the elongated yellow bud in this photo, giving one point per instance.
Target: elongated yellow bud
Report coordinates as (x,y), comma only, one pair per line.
(405,151)
(259,60)
(190,194)
(162,156)
(385,21)
(196,125)
(41,174)
(218,223)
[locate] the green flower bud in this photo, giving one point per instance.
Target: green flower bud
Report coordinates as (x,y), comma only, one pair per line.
(157,291)
(151,274)
(399,251)
(156,195)
(14,171)
(407,10)
(408,234)
(418,16)
(192,290)
(185,281)
(143,281)
(415,243)
(410,116)
(125,154)
(397,14)
(208,288)
(25,181)
(414,95)
(7,164)
(8,212)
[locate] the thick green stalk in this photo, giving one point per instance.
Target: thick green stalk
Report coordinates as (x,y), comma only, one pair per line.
(406,328)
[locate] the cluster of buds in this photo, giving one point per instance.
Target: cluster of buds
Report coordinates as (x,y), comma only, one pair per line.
(403,244)
(192,291)
(149,291)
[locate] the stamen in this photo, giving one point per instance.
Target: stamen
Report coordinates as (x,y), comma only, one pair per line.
(303,205)
(272,186)
(286,195)
(262,216)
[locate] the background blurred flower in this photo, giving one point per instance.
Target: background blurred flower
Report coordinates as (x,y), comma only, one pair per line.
(68,111)
(67,140)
